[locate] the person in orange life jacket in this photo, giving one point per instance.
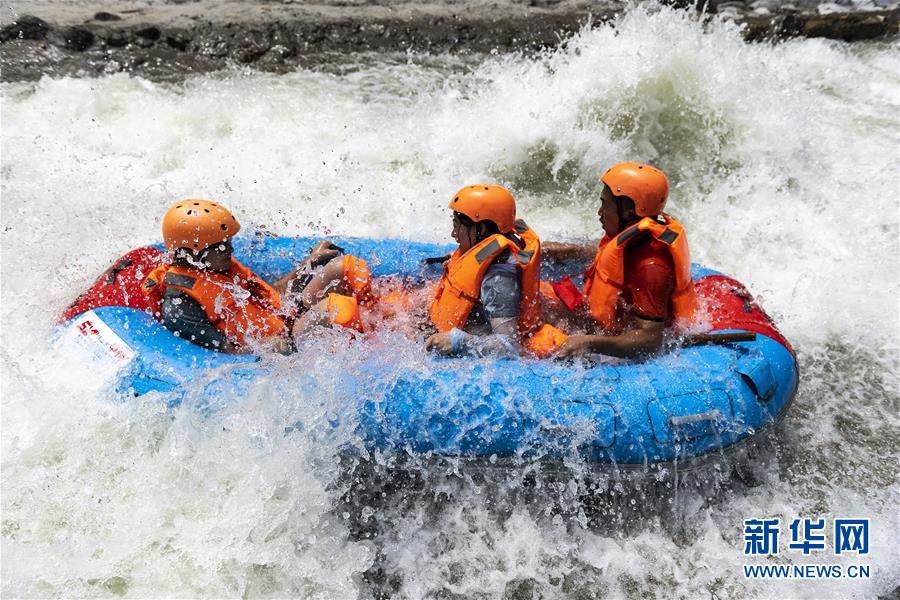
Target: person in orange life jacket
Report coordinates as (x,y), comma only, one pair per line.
(334,295)
(639,282)
(208,297)
(487,297)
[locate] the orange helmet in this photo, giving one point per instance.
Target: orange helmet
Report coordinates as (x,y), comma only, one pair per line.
(197,225)
(647,186)
(486,202)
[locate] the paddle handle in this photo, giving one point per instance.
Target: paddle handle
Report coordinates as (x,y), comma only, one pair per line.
(435,260)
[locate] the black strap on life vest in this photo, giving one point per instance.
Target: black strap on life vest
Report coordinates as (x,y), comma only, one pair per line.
(179,280)
(668,236)
(626,236)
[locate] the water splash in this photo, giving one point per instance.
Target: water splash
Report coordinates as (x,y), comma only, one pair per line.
(783,161)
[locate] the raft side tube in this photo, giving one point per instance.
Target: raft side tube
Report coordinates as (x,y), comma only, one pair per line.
(688,403)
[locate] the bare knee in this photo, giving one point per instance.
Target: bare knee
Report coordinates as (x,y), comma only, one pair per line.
(328,279)
(316,316)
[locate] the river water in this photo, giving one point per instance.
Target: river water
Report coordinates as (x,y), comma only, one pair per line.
(784,162)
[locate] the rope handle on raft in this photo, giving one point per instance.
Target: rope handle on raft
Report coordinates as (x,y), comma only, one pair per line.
(703,339)
(116,269)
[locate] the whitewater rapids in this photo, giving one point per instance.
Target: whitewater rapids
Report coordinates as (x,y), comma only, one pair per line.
(784,163)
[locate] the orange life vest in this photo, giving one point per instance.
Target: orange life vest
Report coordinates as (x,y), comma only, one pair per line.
(605,278)
(545,341)
(237,302)
(358,278)
(459,289)
(344,310)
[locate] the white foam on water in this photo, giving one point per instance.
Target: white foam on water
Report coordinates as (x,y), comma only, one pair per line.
(784,164)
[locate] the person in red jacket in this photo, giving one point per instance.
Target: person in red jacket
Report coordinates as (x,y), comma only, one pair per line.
(206,296)
(639,282)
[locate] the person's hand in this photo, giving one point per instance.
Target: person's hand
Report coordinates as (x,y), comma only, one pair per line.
(323,252)
(440,343)
(577,345)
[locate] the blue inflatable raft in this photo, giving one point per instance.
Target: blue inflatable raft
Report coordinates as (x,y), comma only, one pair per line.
(688,403)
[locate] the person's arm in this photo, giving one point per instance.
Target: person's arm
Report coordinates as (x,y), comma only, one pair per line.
(503,341)
(651,285)
(646,338)
(559,251)
(321,254)
(500,297)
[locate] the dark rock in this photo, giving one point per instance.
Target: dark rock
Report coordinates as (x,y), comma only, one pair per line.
(192,42)
(26,27)
(731,7)
(211,45)
(788,25)
(720,6)
(179,41)
(279,36)
(249,46)
(756,30)
(275,58)
(77,39)
(117,39)
(135,62)
(521,588)
(148,33)
(850,27)
(280,53)
(106,16)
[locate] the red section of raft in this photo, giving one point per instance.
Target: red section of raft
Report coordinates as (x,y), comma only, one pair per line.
(731,306)
(120,284)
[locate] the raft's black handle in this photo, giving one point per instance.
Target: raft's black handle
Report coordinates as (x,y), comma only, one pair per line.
(111,276)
